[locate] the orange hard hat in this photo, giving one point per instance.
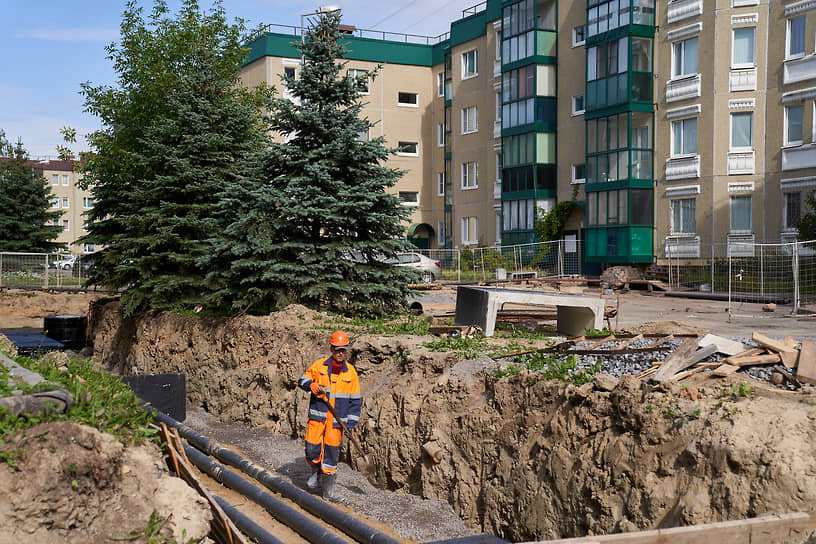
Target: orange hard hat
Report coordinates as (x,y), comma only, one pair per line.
(339,338)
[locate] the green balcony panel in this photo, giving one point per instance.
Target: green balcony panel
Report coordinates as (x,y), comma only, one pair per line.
(546,41)
(545,147)
(546,110)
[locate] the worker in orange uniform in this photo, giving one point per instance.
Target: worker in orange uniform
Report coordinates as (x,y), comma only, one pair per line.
(330,379)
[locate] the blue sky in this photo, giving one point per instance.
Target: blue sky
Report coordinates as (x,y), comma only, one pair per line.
(49,47)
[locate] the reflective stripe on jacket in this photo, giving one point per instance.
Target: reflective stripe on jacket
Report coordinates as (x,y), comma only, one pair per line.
(343,388)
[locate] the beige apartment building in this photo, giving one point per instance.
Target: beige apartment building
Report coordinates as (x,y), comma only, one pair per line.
(681,129)
(70,199)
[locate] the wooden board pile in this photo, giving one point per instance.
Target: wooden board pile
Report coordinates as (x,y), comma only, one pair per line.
(792,363)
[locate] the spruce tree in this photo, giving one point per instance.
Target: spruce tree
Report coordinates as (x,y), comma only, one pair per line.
(26,220)
(320,219)
(176,129)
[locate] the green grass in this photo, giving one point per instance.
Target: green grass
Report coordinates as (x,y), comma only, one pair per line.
(465,348)
(548,367)
(390,325)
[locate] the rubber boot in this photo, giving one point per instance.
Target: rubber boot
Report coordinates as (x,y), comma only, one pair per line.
(312,482)
(327,482)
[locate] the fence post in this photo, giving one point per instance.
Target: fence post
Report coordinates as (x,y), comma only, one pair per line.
(761,270)
(728,253)
(1,269)
(712,268)
(561,258)
(46,270)
(459,265)
(484,276)
(795,271)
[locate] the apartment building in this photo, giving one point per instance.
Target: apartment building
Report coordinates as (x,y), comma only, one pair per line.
(68,198)
(677,127)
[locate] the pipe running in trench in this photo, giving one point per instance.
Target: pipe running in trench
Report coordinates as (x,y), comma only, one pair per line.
(350,525)
(246,525)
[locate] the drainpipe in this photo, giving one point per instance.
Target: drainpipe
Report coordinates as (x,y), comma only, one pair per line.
(350,525)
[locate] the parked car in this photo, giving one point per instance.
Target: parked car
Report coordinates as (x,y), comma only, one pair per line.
(431,270)
(66,262)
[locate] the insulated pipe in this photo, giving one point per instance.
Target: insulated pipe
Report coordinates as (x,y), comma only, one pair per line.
(246,525)
(304,526)
(474,539)
(350,525)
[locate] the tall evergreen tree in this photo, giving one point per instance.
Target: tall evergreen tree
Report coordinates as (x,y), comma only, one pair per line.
(26,220)
(319,219)
(176,129)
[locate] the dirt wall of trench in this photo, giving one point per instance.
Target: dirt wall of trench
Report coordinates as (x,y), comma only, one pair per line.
(522,459)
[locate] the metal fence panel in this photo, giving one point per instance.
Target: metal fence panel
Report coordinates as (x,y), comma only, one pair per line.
(41,270)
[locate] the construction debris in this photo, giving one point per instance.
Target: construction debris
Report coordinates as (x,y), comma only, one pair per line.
(724,345)
(806,368)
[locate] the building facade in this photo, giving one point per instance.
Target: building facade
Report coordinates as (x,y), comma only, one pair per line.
(676,127)
(70,199)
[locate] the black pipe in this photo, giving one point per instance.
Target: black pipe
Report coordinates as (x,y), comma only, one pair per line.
(246,525)
(350,525)
(304,526)
(473,539)
(780,299)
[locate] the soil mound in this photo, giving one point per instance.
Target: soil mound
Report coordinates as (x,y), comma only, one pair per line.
(67,483)
(522,458)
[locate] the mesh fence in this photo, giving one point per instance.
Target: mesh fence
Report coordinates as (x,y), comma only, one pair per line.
(42,270)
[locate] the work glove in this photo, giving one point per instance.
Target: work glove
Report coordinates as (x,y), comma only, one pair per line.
(317,389)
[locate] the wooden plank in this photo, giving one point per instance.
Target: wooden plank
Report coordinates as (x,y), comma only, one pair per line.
(601,341)
(790,358)
(755,360)
(724,370)
(632,340)
(689,345)
(806,367)
(770,343)
(790,342)
(773,529)
(788,376)
(749,352)
(668,370)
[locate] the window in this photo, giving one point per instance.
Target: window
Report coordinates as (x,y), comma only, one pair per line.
(65,225)
(408,99)
(363,134)
(684,137)
(498,167)
(469,175)
(741,213)
(408,148)
(743,48)
(65,202)
(440,135)
(470,120)
(362,79)
(88,248)
(792,210)
(54,179)
(440,84)
(683,216)
(409,198)
(684,57)
(470,234)
(578,105)
(289,72)
(65,179)
(742,131)
(470,66)
(793,124)
(578,35)
(87,202)
(440,233)
(578,173)
(55,202)
(441,178)
(795,46)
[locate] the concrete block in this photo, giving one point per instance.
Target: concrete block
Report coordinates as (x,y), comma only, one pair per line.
(724,345)
(806,371)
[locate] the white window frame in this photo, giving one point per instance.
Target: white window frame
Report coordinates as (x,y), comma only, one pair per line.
(466,128)
(575,110)
(66,225)
(87,202)
(408,104)
(470,175)
(498,166)
(788,55)
(786,125)
(785,195)
(357,72)
(65,202)
(440,233)
(65,180)
(466,72)
(751,64)
(575,41)
(440,135)
(440,84)
(293,68)
(681,46)
(88,248)
(440,183)
(55,202)
(673,229)
(414,203)
(401,153)
(731,132)
(672,137)
(468,237)
(575,178)
(55,179)
(750,228)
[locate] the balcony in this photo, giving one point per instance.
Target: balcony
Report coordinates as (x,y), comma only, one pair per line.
(682,168)
(683,9)
(797,70)
(682,89)
(497,129)
(740,245)
(497,190)
(743,79)
(741,162)
(682,246)
(801,156)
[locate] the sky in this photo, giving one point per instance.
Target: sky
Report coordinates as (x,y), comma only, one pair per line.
(49,47)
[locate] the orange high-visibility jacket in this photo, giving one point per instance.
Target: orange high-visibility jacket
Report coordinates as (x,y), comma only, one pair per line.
(343,389)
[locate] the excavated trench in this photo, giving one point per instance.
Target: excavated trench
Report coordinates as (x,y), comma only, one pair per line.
(522,458)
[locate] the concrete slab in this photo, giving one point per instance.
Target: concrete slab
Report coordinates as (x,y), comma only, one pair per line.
(806,371)
(479,305)
(724,345)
